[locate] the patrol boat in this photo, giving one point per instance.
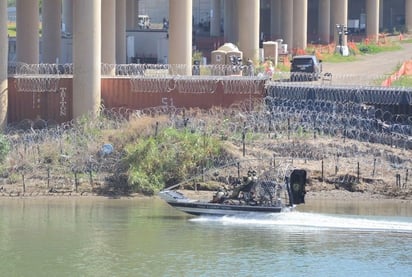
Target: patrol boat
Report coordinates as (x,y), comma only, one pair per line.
(248,196)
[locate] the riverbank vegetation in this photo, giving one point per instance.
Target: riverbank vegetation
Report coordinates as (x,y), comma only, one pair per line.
(124,152)
(169,157)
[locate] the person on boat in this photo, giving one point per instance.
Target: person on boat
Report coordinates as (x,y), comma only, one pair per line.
(219,196)
(247,186)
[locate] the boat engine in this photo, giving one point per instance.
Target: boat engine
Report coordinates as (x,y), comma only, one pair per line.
(296,186)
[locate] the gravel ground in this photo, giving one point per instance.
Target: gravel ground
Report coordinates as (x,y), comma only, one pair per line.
(368,68)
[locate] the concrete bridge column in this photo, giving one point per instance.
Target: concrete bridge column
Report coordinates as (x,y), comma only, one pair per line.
(67,16)
(408,15)
(215,18)
(136,11)
(231,22)
(380,14)
(4,45)
(108,35)
(300,26)
(87,57)
(372,19)
(131,19)
(180,34)
(228,20)
(287,23)
(340,13)
(275,19)
(235,22)
(332,27)
(51,35)
(120,31)
(27,37)
(324,21)
(248,14)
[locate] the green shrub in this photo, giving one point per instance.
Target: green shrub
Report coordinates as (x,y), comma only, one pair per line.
(171,157)
(4,148)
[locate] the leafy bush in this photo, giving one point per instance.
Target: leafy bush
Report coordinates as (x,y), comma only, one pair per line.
(364,48)
(171,157)
(4,148)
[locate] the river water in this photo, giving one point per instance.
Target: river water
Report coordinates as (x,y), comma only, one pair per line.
(146,237)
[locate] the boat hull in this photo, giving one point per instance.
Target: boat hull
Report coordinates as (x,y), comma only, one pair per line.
(211,209)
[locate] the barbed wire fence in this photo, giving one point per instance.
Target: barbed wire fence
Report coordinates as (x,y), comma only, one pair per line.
(344,146)
(19,69)
(338,138)
(39,77)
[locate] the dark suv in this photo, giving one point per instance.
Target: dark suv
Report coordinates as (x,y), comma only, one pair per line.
(305,68)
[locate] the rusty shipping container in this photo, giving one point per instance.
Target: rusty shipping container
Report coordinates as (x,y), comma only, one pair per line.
(56,105)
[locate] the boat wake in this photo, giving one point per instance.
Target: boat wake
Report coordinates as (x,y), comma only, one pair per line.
(301,220)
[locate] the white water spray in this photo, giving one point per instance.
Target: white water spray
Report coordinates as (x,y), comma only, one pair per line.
(318,221)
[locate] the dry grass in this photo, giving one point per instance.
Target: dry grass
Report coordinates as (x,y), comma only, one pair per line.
(378,164)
